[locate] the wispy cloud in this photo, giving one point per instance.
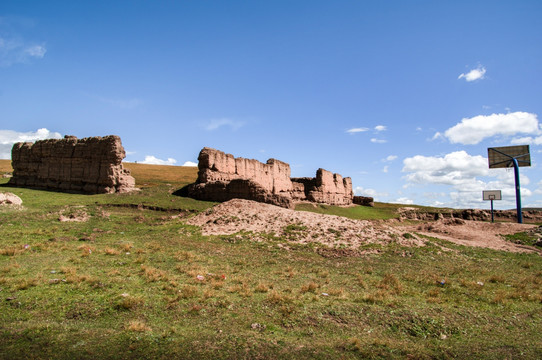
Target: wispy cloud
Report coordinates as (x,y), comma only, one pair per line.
(471,131)
(390,158)
(380,128)
(358,190)
(127,103)
(189,163)
(474,74)
(10,137)
(357,130)
(152,160)
(14,48)
(378,141)
(215,124)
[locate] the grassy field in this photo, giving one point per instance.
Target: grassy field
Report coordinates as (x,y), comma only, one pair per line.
(136,283)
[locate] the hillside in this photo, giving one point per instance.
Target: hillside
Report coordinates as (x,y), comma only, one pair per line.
(148,275)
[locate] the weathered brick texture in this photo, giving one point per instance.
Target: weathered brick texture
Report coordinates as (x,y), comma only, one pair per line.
(90,165)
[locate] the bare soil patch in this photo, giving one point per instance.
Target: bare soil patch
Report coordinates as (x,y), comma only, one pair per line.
(474,233)
(238,215)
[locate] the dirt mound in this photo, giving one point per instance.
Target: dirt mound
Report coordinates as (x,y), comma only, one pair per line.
(297,226)
(264,220)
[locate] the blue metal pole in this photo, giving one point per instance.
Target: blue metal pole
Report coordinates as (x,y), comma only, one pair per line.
(518,193)
(492,218)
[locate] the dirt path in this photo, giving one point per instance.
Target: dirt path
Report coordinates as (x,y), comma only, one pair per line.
(474,233)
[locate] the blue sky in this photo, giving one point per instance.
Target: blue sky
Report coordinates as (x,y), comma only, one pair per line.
(405,97)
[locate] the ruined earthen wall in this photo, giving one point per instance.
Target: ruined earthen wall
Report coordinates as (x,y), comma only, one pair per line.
(90,165)
(364,201)
(220,175)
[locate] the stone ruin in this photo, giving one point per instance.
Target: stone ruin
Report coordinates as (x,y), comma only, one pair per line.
(222,177)
(91,165)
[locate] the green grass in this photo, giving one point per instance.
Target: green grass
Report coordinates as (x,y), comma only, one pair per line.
(135,283)
(381,211)
(523,238)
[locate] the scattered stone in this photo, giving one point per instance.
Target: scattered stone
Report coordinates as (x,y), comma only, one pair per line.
(222,177)
(257,326)
(8,198)
(91,165)
(74,216)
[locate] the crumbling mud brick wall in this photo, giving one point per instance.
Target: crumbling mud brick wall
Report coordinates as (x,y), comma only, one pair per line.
(223,177)
(91,165)
(364,201)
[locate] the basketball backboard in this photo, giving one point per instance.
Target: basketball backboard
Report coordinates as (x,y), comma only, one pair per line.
(501,157)
(492,195)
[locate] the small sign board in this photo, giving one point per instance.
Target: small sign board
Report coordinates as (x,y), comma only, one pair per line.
(501,157)
(492,195)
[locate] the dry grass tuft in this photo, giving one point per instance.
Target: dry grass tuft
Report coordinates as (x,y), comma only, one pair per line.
(26,283)
(309,287)
(241,289)
(185,256)
(127,302)
(85,250)
(10,251)
(111,251)
(274,297)
(14,265)
(262,288)
(188,291)
(153,274)
(125,247)
(391,284)
(137,326)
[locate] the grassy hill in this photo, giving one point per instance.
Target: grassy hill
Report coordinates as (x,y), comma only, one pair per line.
(131,283)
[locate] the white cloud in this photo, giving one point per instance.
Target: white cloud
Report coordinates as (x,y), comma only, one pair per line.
(189,163)
(527,140)
(385,169)
(462,173)
(356,130)
(390,158)
(378,141)
(403,200)
(37,51)
(453,169)
(10,137)
(360,191)
(471,131)
(215,124)
(151,160)
(380,128)
(14,49)
(474,74)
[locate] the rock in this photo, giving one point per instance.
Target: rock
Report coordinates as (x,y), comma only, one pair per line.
(10,199)
(222,177)
(90,165)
